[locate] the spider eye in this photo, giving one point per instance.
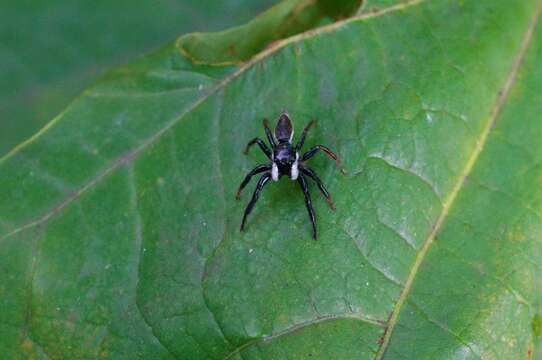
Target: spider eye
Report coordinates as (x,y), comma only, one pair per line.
(284,131)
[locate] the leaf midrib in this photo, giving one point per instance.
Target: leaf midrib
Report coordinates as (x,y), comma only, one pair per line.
(133,154)
(449,201)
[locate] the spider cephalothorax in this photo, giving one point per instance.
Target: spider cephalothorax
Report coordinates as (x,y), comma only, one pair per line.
(285,161)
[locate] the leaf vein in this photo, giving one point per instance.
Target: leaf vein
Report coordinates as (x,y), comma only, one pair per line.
(300,326)
(132,154)
(139,244)
(444,328)
(449,201)
(220,180)
(386,276)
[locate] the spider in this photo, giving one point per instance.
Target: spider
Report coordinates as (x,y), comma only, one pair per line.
(285,161)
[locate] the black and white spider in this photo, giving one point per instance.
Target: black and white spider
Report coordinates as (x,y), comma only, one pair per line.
(285,161)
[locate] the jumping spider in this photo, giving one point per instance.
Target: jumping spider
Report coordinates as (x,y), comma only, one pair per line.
(285,161)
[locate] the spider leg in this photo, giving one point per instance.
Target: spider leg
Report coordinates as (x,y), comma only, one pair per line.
(262,146)
(310,173)
(258,169)
(308,203)
(268,133)
(303,135)
(327,151)
(261,183)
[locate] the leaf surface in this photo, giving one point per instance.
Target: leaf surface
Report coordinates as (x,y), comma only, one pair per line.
(120,231)
(53,50)
(239,44)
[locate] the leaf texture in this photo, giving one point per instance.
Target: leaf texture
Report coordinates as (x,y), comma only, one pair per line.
(119,230)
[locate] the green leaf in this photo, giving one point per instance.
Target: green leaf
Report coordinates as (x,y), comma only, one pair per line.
(376,6)
(285,19)
(119,229)
(52,50)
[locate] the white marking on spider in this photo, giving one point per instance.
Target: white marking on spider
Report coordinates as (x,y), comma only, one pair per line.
(294,173)
(275,172)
